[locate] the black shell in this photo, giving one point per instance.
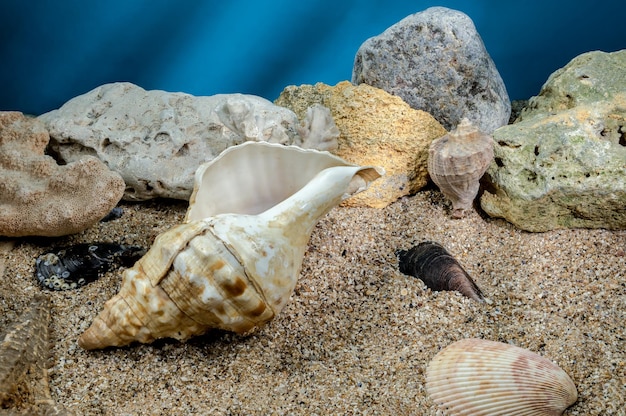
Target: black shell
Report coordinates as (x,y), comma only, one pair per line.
(114,214)
(75,266)
(431,263)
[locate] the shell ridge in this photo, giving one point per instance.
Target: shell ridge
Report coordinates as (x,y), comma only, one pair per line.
(157,262)
(176,300)
(485,405)
(151,324)
(216,292)
(102,331)
(200,311)
(481,377)
(263,248)
(153,327)
(251,280)
(259,290)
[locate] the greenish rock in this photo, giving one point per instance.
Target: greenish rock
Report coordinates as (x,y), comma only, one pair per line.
(563,163)
(589,78)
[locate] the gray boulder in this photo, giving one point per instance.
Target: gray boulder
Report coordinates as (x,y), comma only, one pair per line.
(437,62)
(563,163)
(156,139)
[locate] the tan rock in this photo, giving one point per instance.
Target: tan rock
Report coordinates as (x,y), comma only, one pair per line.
(39,197)
(376,128)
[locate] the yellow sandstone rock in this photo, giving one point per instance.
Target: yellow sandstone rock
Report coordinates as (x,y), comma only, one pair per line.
(376,129)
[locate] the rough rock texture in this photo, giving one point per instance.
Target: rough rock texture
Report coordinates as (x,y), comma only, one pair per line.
(563,164)
(376,129)
(437,62)
(157,139)
(39,197)
(590,78)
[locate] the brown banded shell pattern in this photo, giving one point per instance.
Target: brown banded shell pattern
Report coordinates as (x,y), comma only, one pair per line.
(204,287)
(457,161)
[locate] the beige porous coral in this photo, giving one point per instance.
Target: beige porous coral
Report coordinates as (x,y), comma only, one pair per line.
(39,197)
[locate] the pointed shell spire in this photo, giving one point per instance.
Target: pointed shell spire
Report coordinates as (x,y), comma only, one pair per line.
(457,161)
(438,269)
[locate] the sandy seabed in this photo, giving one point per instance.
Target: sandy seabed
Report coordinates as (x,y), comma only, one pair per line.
(357,335)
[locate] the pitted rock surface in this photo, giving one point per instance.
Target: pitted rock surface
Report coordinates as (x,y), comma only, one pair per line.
(156,139)
(563,163)
(39,197)
(436,61)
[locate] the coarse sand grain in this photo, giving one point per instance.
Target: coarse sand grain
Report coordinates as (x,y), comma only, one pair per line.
(357,335)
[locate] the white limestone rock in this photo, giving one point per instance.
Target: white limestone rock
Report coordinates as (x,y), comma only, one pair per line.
(156,139)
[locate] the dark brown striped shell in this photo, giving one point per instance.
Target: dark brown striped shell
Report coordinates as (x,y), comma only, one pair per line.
(431,263)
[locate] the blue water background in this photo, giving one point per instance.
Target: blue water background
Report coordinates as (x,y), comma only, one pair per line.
(51,51)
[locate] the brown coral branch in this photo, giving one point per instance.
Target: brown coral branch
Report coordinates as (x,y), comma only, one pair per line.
(23,355)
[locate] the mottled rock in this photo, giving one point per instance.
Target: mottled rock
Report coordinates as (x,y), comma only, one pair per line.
(39,197)
(590,78)
(436,61)
(517,106)
(376,129)
(157,139)
(563,164)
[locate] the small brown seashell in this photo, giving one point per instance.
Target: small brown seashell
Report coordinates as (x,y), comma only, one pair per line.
(431,263)
(457,161)
(480,377)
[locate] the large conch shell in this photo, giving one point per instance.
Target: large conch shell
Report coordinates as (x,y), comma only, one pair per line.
(235,261)
(457,161)
(480,377)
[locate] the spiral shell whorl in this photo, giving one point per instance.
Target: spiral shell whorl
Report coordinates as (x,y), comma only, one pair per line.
(235,261)
(203,279)
(457,161)
(438,269)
